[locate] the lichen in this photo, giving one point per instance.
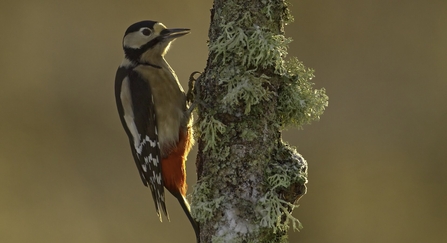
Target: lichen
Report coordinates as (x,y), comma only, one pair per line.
(236,227)
(271,10)
(211,130)
(248,134)
(289,168)
(203,206)
(298,102)
(247,79)
(242,50)
(273,211)
(243,87)
(286,14)
(254,46)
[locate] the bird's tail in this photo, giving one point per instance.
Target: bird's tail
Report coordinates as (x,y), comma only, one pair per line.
(185,206)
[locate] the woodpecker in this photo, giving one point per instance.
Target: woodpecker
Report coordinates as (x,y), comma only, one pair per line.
(154,112)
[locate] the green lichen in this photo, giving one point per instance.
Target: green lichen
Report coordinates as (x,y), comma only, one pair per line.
(211,130)
(248,64)
(243,49)
(298,102)
(248,134)
(286,14)
(253,46)
(243,87)
(203,206)
(277,11)
(274,209)
(289,169)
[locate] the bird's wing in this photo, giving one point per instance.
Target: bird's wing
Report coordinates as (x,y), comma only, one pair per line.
(141,127)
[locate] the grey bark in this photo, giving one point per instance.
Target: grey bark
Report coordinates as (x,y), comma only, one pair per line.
(248,179)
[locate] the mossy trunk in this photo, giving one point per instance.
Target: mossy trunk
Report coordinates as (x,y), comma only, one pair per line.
(248,179)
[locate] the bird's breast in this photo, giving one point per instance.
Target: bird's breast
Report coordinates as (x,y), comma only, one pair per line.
(170,105)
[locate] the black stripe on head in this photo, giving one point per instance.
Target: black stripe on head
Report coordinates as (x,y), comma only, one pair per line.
(135,54)
(137,26)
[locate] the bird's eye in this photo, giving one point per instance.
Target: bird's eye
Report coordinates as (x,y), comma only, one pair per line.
(146,32)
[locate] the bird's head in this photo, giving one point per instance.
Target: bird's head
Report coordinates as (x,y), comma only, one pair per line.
(149,40)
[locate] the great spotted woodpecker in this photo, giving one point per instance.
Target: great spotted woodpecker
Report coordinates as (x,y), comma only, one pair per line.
(153,111)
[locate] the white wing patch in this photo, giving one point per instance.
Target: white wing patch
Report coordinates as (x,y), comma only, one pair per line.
(143,142)
(156,177)
(147,162)
(150,161)
(126,100)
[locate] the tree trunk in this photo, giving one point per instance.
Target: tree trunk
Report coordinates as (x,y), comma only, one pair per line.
(248,179)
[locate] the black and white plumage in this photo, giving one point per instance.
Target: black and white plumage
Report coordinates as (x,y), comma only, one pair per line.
(153,111)
(137,113)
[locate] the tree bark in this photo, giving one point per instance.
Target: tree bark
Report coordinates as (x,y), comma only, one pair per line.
(248,179)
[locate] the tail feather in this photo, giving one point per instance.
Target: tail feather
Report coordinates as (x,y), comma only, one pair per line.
(160,204)
(185,206)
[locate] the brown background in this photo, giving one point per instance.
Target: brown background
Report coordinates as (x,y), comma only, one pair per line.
(377,157)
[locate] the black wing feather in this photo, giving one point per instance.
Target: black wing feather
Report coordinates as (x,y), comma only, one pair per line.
(147,154)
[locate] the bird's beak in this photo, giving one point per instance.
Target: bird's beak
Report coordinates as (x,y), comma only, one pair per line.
(174,33)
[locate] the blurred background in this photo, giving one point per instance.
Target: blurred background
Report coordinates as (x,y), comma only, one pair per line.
(377,158)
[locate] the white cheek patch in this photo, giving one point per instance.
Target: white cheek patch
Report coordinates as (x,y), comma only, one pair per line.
(136,39)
